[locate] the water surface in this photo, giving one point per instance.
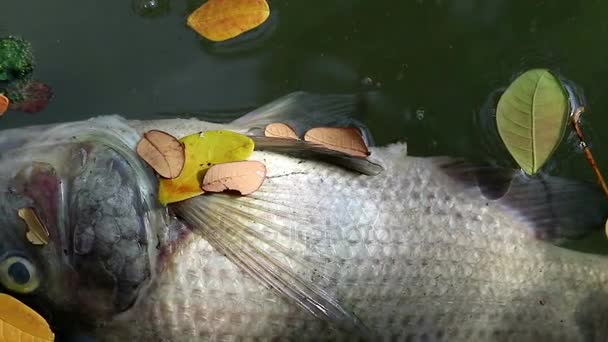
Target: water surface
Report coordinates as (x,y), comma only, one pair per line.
(434,65)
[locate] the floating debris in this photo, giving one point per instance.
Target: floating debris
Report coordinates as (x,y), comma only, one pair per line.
(16,59)
(347,140)
(29,96)
(163,152)
(4,104)
(219,20)
(20,322)
(37,233)
(246,177)
(280,130)
(203,150)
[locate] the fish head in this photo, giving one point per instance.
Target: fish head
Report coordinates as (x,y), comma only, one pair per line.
(88,247)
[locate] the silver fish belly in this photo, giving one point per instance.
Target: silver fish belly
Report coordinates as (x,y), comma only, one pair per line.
(411,255)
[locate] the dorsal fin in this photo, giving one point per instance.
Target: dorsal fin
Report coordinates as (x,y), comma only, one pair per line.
(308,150)
(303,111)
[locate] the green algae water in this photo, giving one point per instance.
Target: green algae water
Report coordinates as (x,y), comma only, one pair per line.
(434,67)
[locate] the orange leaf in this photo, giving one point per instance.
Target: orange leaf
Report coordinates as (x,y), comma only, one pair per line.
(162,152)
(219,20)
(245,177)
(280,130)
(346,140)
(18,322)
(4,102)
(37,234)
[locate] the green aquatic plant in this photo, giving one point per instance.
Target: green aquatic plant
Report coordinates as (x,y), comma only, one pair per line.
(16,59)
(28,95)
(24,93)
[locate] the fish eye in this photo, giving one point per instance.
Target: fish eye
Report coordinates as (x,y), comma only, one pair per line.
(18,274)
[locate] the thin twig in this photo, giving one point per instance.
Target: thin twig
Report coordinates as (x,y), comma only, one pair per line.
(575,118)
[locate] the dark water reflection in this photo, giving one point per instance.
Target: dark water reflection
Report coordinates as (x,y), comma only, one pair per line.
(433,65)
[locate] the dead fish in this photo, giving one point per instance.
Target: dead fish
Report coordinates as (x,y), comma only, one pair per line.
(331,247)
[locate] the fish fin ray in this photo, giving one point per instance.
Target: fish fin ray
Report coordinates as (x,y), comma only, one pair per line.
(309,150)
(254,245)
(303,111)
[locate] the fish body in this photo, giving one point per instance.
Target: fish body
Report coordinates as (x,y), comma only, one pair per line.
(318,253)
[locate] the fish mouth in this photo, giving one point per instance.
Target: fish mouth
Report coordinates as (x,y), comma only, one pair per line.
(93,196)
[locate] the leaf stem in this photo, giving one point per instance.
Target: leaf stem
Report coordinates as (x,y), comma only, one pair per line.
(575,119)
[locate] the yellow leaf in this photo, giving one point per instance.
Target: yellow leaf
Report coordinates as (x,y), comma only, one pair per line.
(219,20)
(203,150)
(20,323)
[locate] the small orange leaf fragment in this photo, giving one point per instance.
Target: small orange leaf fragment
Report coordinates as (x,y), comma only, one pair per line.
(163,152)
(245,177)
(4,102)
(347,140)
(37,234)
(18,322)
(280,130)
(219,20)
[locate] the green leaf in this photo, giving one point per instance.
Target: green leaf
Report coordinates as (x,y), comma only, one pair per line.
(531,117)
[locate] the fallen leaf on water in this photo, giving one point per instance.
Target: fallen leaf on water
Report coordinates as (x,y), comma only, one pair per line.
(29,96)
(18,322)
(531,118)
(162,152)
(245,177)
(280,130)
(219,20)
(37,233)
(347,140)
(203,150)
(4,102)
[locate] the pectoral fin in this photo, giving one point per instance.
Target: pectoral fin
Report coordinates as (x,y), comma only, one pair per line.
(234,226)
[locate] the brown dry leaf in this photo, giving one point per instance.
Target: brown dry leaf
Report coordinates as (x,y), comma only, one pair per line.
(245,177)
(219,20)
(4,102)
(18,322)
(37,233)
(347,140)
(280,130)
(163,152)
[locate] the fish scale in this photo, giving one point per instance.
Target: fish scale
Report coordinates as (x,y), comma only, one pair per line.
(430,267)
(413,253)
